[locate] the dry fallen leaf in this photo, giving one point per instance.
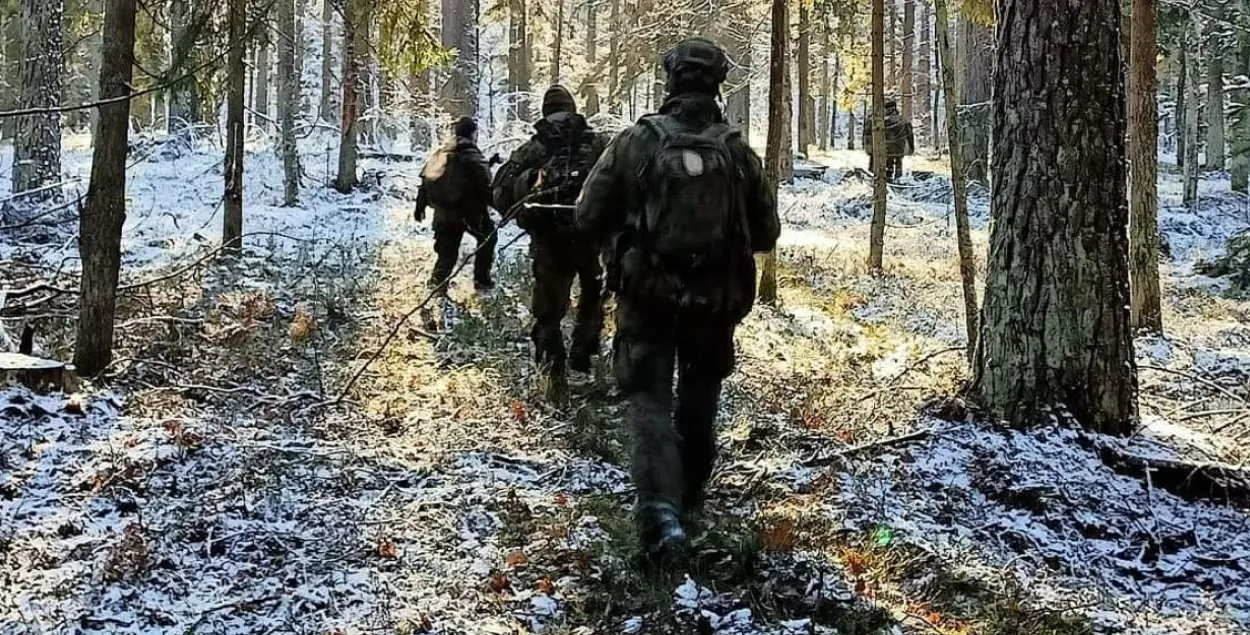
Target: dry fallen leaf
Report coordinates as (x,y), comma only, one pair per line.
(302,326)
(499,582)
(781,537)
(516,558)
(74,405)
(546,586)
(518,411)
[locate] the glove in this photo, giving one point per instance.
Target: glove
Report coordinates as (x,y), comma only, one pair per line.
(495,159)
(419,214)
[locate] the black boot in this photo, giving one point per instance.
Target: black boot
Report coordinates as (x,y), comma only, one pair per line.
(662,533)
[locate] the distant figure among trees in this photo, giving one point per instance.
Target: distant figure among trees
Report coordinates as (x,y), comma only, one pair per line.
(900,140)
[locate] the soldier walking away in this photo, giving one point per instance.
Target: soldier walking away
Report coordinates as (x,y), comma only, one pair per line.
(549,171)
(456,183)
(681,200)
(900,140)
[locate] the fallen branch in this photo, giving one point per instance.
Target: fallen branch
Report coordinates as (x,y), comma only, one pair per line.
(1216,482)
(1202,380)
(822,461)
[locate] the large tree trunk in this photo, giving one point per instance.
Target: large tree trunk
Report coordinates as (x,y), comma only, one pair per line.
(876,238)
(1215,89)
(37,148)
(924,95)
(974,99)
(100,225)
(328,107)
(967,259)
(558,45)
(355,45)
(519,58)
(1193,59)
(232,228)
(777,151)
(1240,163)
(906,90)
(183,103)
(460,33)
(11,50)
(1143,141)
(1056,319)
(288,101)
(804,59)
(590,90)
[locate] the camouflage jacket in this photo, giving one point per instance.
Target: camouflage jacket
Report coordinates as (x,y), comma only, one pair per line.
(517,178)
(476,192)
(900,139)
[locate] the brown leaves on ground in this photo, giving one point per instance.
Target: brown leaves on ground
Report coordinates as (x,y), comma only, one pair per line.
(387,549)
(780,537)
(516,559)
(129,557)
(303,326)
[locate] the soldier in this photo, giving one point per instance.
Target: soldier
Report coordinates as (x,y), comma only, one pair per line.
(682,201)
(550,169)
(456,183)
(899,140)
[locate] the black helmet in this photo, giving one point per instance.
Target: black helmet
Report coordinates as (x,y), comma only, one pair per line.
(697,53)
(890,104)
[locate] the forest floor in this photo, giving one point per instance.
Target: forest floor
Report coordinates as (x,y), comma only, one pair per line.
(208,485)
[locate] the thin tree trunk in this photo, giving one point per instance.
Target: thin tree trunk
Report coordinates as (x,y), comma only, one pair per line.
(614,53)
(738,99)
(558,46)
(1193,63)
(891,45)
(37,148)
(232,229)
(1240,162)
(804,68)
(519,58)
(183,103)
(1056,319)
(850,128)
(590,93)
(833,102)
(328,107)
(924,96)
(100,225)
(260,93)
(876,240)
(777,151)
(1146,308)
(967,259)
(1182,98)
(460,33)
(906,88)
(288,101)
(1215,89)
(822,129)
(354,39)
(94,44)
(974,99)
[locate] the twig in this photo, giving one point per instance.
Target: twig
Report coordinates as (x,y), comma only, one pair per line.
(871,445)
(1202,380)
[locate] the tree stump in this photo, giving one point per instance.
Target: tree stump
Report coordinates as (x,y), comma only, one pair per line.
(35,373)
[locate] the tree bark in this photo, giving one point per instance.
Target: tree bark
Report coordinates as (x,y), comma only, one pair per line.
(777,151)
(850,128)
(460,33)
(288,101)
(924,94)
(876,239)
(833,102)
(738,98)
(260,93)
(1056,319)
(959,181)
(1215,89)
(614,52)
(974,98)
(328,107)
(891,45)
(355,40)
(822,128)
(1240,162)
(906,86)
(1182,99)
(94,43)
(1146,310)
(804,59)
(37,148)
(1193,48)
(183,102)
(232,228)
(100,225)
(558,45)
(590,92)
(519,58)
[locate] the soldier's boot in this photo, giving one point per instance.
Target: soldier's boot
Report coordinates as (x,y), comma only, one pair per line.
(662,533)
(550,357)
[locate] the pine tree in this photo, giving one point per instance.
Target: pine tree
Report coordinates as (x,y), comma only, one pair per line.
(288,101)
(876,238)
(1146,308)
(977,42)
(37,147)
(1056,320)
(519,57)
(1215,88)
(183,103)
(1193,57)
(907,77)
(356,21)
(328,108)
(778,152)
(100,225)
(924,91)
(232,228)
(1240,161)
(804,63)
(590,87)
(260,92)
(460,33)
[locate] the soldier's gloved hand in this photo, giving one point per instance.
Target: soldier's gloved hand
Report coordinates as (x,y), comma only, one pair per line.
(495,159)
(419,214)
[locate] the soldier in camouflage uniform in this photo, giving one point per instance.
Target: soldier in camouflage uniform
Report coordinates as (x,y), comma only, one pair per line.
(456,183)
(545,176)
(900,140)
(681,200)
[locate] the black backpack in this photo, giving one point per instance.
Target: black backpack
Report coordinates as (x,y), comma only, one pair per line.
(442,178)
(695,206)
(562,175)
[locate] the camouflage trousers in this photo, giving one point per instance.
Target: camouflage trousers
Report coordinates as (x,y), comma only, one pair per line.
(674,448)
(449,231)
(556,263)
(893,167)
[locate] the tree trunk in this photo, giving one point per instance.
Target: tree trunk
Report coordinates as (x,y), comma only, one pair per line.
(738,98)
(518,58)
(959,181)
(1240,163)
(183,103)
(804,59)
(906,86)
(355,41)
(924,95)
(328,107)
(1215,89)
(974,98)
(833,102)
(94,43)
(822,125)
(37,148)
(891,45)
(777,151)
(260,93)
(1146,308)
(558,46)
(288,101)
(614,52)
(232,229)
(590,91)
(100,225)
(11,43)
(1182,99)
(850,128)
(876,239)
(460,33)
(1193,59)
(1056,318)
